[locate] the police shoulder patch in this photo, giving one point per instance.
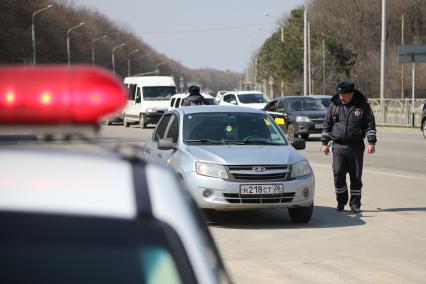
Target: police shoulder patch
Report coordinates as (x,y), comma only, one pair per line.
(358,112)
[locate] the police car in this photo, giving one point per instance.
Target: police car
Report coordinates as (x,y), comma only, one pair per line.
(90,217)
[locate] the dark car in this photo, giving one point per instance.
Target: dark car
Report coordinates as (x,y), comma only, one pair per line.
(424,120)
(304,115)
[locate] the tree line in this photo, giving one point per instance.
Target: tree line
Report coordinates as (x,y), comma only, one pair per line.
(345,44)
(52,25)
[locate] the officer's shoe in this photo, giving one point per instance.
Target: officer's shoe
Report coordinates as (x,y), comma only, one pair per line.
(355,208)
(340,207)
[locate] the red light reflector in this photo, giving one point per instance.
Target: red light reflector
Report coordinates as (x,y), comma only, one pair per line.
(58,95)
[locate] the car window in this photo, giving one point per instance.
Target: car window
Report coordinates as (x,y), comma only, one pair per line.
(304,104)
(172,102)
(252,98)
(158,93)
(178,102)
(173,131)
(281,107)
(161,127)
(229,98)
(132,91)
(271,106)
(138,97)
(104,251)
(230,127)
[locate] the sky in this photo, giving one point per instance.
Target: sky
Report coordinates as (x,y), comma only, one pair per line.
(220,34)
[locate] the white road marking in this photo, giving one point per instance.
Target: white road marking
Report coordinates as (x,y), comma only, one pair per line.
(376,172)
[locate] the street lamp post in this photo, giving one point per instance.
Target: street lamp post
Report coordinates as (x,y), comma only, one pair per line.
(281,26)
(33,31)
(113,56)
(68,40)
(128,61)
(93,46)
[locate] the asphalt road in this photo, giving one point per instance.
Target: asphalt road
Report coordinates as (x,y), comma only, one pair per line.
(384,244)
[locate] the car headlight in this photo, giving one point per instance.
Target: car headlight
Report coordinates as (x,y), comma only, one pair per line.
(300,169)
(302,119)
(210,170)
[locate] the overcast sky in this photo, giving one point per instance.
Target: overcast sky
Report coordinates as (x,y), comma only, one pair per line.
(199,33)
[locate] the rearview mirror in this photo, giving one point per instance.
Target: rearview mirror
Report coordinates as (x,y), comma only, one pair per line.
(166,144)
(298,144)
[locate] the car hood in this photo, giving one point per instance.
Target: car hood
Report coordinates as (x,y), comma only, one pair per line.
(245,154)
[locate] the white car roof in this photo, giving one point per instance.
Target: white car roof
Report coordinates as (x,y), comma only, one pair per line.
(151,81)
(245,92)
(184,95)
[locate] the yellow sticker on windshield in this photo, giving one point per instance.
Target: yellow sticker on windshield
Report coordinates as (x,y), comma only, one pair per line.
(279,120)
(267,122)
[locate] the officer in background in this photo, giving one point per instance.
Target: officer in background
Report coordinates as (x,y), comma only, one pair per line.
(195,98)
(348,120)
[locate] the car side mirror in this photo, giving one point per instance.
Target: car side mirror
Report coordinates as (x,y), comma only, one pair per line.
(298,144)
(166,144)
(233,102)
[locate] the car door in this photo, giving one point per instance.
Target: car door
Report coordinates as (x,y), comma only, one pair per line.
(151,148)
(172,132)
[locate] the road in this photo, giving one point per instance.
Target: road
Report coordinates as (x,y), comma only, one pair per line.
(384,244)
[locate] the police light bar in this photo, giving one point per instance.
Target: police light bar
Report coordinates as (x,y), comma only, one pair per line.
(58,95)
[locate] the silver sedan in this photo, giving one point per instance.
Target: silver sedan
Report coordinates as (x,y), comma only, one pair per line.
(234,157)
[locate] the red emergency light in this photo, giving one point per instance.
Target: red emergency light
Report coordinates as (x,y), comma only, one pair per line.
(48,95)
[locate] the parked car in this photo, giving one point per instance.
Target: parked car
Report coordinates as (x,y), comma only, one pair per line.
(82,216)
(177,100)
(424,120)
(233,157)
(324,100)
(304,115)
(149,98)
(252,99)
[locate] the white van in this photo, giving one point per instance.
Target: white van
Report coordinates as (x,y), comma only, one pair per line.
(149,98)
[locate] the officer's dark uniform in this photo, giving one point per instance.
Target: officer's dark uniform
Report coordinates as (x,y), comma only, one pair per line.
(195,98)
(347,126)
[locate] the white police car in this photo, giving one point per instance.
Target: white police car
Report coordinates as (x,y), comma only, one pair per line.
(78,217)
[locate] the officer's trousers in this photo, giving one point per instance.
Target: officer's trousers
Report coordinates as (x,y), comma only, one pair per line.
(348,159)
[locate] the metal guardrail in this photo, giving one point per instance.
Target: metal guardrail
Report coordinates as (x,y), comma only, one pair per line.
(397,111)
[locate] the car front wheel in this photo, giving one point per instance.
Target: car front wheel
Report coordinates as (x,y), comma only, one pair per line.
(301,214)
(142,123)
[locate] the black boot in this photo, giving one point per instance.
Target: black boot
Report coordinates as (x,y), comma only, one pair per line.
(355,208)
(340,207)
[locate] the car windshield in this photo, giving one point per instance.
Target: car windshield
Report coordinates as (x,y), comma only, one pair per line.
(252,98)
(304,104)
(158,93)
(231,128)
(49,251)
(325,101)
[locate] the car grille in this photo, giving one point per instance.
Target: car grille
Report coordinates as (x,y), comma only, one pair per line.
(285,197)
(317,120)
(258,172)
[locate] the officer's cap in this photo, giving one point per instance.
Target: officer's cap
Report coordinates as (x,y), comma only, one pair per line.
(345,87)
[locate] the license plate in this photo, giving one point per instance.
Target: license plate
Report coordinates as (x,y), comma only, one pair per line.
(318,126)
(251,189)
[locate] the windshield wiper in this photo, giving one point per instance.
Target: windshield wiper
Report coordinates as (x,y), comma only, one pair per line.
(204,141)
(253,142)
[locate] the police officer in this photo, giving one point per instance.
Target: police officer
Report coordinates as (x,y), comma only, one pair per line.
(348,120)
(195,98)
